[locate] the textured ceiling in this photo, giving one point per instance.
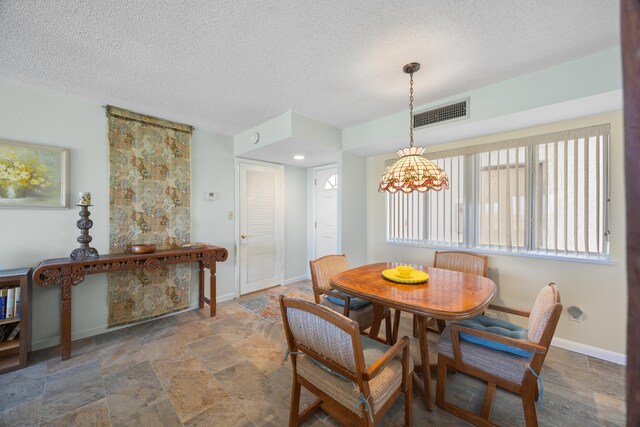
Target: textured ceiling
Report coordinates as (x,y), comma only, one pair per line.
(229,65)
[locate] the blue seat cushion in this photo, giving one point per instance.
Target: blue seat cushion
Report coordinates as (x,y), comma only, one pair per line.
(354,303)
(499,327)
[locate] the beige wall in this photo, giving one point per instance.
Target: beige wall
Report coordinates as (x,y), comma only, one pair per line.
(598,289)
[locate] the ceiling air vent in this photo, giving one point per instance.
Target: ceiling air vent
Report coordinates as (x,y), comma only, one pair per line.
(443,113)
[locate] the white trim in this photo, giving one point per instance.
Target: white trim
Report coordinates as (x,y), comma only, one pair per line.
(296,279)
(599,353)
(225,297)
(523,254)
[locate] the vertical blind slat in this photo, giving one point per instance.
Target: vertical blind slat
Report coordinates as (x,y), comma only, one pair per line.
(490,224)
(507,217)
(555,202)
(598,249)
(586,196)
(575,195)
(546,198)
(518,198)
(566,197)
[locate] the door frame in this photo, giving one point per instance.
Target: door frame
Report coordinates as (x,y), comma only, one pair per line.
(313,207)
(280,238)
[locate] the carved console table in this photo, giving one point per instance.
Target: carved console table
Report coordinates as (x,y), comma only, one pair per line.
(69,272)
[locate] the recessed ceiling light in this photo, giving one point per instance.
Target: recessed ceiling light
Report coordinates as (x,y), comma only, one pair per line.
(298,157)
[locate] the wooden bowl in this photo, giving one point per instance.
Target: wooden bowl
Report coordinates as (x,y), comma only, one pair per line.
(143,248)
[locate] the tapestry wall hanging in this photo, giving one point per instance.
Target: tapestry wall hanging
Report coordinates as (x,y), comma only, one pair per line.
(149,202)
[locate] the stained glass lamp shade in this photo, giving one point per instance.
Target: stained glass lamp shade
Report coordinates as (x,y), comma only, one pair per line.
(413,171)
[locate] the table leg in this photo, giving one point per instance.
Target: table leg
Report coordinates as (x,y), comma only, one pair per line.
(201,285)
(396,326)
(424,358)
(212,289)
(65,318)
(378,313)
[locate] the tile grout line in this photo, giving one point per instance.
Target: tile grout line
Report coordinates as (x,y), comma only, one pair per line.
(44,388)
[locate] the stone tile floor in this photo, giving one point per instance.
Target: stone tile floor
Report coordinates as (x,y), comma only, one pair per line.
(191,370)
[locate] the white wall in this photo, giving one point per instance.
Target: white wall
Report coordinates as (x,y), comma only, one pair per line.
(29,236)
(295,229)
(352,216)
(600,290)
(595,81)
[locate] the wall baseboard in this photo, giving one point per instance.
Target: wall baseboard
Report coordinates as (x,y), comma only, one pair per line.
(296,279)
(599,353)
(53,341)
(225,297)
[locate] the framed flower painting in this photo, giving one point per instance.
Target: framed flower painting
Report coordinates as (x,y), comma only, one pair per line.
(33,176)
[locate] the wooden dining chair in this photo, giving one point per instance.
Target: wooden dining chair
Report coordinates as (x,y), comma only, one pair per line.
(354,308)
(355,378)
(490,357)
(464,262)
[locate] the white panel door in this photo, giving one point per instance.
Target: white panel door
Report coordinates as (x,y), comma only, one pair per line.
(260,226)
(326,189)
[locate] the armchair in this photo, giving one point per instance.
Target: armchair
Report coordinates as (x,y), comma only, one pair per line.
(354,308)
(504,369)
(355,378)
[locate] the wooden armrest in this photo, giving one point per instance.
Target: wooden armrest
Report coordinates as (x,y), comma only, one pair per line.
(388,355)
(509,310)
(513,342)
(333,293)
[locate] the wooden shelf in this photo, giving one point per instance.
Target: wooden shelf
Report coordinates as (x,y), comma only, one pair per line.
(13,354)
(8,345)
(10,320)
(9,363)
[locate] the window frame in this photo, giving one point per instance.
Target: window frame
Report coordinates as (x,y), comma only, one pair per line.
(472,205)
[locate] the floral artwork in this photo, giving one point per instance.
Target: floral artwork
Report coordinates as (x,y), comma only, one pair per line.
(149,202)
(33,176)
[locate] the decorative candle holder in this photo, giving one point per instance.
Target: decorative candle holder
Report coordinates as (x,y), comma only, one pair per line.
(84,224)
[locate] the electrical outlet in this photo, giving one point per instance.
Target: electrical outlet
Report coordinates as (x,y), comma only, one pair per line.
(575,314)
(575,319)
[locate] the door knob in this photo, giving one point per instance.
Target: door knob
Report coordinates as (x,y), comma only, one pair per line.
(244,236)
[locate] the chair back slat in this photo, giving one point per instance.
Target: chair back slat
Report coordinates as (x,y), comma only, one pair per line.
(463,262)
(323,268)
(548,298)
(322,337)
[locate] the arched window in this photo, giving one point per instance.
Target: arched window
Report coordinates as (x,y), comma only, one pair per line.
(331,183)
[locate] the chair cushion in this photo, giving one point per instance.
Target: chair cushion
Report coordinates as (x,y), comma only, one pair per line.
(354,302)
(362,315)
(345,391)
(499,327)
(499,363)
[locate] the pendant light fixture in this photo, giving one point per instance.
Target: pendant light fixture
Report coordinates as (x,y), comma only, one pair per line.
(413,171)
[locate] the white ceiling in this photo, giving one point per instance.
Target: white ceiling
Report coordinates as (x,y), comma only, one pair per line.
(229,65)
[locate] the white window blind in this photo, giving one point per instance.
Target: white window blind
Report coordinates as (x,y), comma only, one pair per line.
(434,217)
(542,194)
(445,208)
(570,196)
(503,195)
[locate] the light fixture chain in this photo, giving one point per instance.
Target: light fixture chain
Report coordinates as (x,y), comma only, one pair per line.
(411,110)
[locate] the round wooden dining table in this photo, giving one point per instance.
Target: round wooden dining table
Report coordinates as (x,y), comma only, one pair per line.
(446,295)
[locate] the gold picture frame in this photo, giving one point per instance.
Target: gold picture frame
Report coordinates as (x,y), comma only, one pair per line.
(33,176)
